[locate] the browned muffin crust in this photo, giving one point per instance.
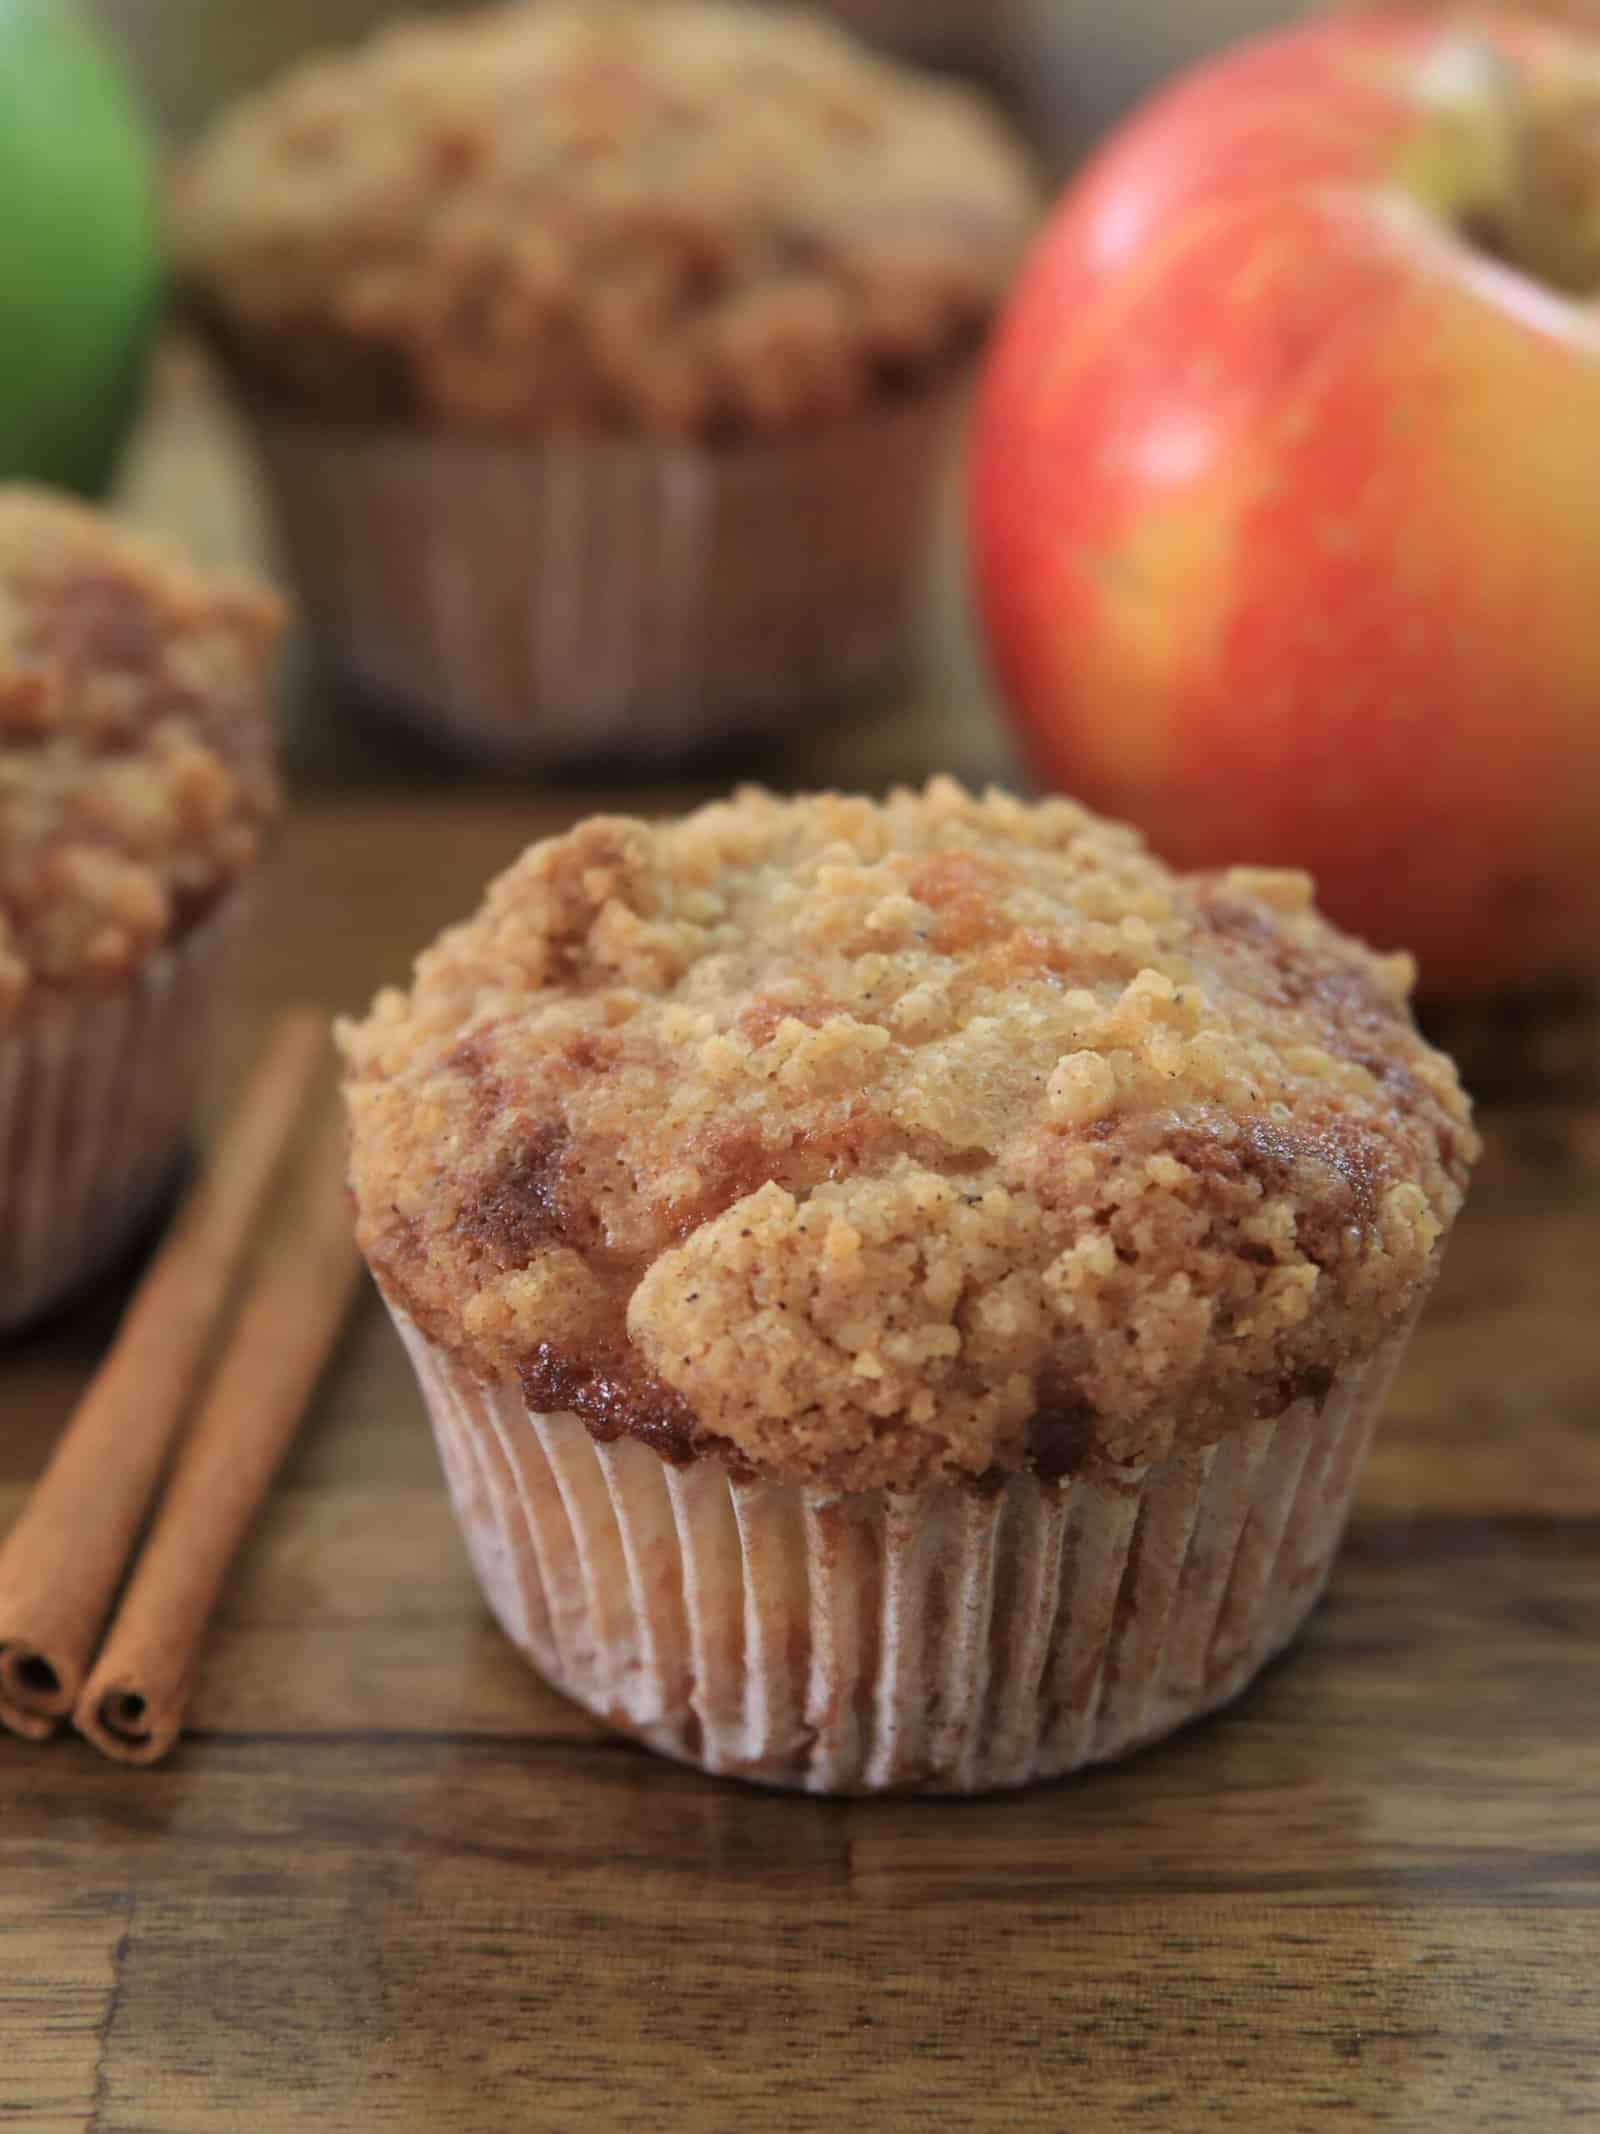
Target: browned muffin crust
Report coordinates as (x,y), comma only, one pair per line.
(877,1144)
(693,220)
(136,779)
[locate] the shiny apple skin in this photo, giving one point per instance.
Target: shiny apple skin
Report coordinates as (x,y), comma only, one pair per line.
(1286,511)
(80,276)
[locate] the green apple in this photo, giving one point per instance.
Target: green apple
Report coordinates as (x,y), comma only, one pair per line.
(79,247)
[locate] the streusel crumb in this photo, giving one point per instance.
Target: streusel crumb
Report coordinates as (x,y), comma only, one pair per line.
(136,778)
(876,1144)
(696,220)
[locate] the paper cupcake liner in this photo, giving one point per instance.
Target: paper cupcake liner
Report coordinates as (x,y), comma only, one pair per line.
(545,602)
(96,1096)
(955,1639)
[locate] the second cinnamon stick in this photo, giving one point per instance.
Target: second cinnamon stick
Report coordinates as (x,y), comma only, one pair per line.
(300,1288)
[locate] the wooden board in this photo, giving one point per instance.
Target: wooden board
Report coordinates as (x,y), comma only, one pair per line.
(392,1882)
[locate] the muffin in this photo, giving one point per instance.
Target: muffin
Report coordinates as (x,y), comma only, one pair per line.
(902,1290)
(601,356)
(136,788)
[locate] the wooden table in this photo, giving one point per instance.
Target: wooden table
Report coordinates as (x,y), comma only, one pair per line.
(390,1881)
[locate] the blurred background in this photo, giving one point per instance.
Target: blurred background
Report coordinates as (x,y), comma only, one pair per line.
(1071,65)
(1066,72)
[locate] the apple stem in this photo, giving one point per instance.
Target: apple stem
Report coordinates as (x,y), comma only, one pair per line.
(1515,161)
(1479,100)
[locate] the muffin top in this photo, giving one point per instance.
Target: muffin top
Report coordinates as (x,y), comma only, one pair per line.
(136,777)
(877,1144)
(692,220)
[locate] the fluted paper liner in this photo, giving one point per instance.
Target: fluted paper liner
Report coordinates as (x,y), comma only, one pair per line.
(544,601)
(96,1096)
(954,1639)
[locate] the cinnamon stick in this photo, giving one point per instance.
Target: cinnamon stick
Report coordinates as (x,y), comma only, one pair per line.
(32,1726)
(63,1561)
(133,1704)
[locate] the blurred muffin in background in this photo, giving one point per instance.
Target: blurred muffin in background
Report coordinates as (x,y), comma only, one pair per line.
(601,358)
(137,790)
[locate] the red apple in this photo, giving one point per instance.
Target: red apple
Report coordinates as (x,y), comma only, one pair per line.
(1286,488)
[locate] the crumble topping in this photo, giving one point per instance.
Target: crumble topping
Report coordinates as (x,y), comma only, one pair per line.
(696,220)
(878,1144)
(136,778)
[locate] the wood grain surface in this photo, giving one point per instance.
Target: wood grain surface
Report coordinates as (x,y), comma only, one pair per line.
(390,1881)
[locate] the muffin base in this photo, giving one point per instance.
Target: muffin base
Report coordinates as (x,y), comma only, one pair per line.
(958,1639)
(96,1097)
(538,603)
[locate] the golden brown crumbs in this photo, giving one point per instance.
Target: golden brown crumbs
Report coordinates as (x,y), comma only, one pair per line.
(872,1144)
(136,778)
(696,220)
